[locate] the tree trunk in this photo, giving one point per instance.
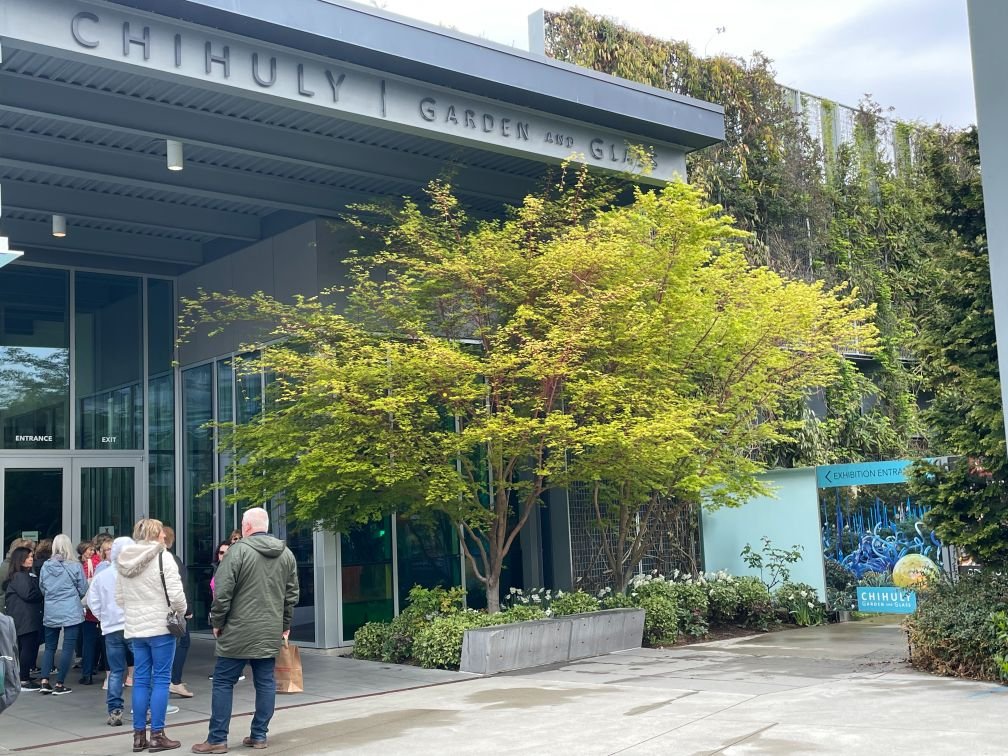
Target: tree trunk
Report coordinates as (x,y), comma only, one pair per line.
(493,594)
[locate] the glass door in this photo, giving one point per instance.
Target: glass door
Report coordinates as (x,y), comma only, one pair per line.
(34,499)
(107,495)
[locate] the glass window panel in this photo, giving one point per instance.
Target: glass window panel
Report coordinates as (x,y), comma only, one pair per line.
(428,552)
(106,500)
(197,474)
(366,556)
(33,500)
(300,540)
(161,399)
(248,386)
(34,358)
(108,337)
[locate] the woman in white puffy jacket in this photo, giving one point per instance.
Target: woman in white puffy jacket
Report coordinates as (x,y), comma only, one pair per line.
(142,595)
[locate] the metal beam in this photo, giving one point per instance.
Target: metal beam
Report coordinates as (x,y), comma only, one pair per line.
(133,115)
(21,195)
(110,243)
(65,158)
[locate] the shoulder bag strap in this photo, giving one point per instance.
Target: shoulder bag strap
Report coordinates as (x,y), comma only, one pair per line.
(160,562)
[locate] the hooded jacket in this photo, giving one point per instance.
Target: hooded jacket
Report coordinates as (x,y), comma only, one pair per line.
(62,583)
(101,595)
(139,592)
(256,589)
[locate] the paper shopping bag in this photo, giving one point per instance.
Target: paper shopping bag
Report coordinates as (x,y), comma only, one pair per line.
(289,678)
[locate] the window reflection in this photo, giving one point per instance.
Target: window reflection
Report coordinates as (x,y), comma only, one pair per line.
(108,335)
(34,358)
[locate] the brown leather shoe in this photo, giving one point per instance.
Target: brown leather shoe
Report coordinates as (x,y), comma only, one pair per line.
(253,743)
(161,742)
(139,740)
(210,748)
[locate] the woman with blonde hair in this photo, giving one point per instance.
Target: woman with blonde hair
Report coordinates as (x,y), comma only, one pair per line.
(149,586)
(63,585)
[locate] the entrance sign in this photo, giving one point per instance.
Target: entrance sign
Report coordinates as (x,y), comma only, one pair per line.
(170,49)
(30,535)
(886,600)
(862,474)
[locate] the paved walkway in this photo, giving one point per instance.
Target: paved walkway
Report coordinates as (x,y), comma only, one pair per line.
(840,689)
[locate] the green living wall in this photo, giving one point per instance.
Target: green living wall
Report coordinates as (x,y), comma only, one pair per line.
(819,207)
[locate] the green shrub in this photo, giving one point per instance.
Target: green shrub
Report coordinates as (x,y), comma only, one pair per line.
(438,644)
(576,602)
(431,602)
(521,613)
(800,604)
(617,601)
(661,618)
(755,607)
(397,648)
(691,599)
(369,640)
(951,633)
(723,600)
(876,579)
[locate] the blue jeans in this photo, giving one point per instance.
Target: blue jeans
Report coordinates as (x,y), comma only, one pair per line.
(151,677)
(66,655)
(224,678)
(115,652)
(181,652)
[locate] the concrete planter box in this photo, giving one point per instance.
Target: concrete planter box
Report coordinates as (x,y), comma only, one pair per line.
(521,645)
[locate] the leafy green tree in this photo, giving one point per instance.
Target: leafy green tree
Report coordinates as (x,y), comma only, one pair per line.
(841,213)
(957,344)
(630,349)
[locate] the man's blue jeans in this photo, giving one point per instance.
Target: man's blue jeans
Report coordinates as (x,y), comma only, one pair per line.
(151,677)
(66,655)
(224,678)
(115,652)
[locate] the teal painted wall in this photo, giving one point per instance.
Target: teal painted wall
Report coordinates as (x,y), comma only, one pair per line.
(790,515)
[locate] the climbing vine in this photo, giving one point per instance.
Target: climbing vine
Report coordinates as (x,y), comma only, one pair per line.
(818,207)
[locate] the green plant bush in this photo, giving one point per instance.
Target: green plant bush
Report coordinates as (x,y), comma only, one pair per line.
(723,600)
(428,602)
(438,644)
(575,602)
(397,648)
(876,579)
(800,604)
(617,601)
(951,633)
(756,610)
(521,613)
(692,602)
(369,640)
(661,618)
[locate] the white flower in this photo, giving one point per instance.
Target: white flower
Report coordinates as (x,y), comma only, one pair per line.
(811,605)
(513,590)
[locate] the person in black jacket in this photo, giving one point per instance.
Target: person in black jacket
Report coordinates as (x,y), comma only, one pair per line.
(24,605)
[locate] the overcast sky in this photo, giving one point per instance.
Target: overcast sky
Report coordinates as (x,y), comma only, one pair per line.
(911,55)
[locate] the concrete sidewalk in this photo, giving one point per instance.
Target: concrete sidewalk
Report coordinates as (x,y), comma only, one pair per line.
(36,720)
(828,690)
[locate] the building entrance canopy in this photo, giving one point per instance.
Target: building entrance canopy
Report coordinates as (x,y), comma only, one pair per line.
(283,121)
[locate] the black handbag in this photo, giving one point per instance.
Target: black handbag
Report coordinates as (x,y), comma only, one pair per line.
(176,622)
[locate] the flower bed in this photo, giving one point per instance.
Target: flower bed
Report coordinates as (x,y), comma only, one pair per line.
(431,630)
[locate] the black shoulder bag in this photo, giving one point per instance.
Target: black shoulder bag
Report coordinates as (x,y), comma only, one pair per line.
(176,623)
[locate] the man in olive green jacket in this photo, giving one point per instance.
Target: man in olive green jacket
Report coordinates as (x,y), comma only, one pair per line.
(255,590)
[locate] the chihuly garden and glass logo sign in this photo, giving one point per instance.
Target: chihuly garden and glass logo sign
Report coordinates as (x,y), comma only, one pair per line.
(167,47)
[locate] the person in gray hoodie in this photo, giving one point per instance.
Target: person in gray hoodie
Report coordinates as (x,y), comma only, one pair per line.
(63,584)
(100,599)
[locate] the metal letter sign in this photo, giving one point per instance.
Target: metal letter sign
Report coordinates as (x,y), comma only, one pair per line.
(139,41)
